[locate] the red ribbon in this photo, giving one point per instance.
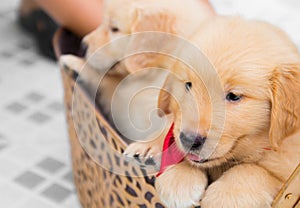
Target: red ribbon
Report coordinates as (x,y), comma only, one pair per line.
(171,154)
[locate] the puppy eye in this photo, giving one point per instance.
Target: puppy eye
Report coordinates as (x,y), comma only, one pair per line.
(114,29)
(188,86)
(233,97)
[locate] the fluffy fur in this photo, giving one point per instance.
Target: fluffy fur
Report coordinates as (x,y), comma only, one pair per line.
(133,16)
(128,95)
(258,135)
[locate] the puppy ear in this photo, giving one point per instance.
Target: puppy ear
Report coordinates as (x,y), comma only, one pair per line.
(285,103)
(152,19)
(165,96)
(146,20)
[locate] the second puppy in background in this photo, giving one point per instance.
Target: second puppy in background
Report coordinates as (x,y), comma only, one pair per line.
(127,106)
(128,17)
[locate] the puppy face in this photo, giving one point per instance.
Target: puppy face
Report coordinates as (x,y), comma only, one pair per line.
(115,23)
(123,18)
(247,104)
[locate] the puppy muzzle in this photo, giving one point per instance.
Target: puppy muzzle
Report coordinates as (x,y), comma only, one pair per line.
(192,142)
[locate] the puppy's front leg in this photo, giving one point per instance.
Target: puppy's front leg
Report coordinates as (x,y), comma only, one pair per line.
(244,186)
(146,153)
(149,151)
(181,185)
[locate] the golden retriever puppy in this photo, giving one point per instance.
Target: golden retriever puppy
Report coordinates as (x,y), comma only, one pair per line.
(127,17)
(236,117)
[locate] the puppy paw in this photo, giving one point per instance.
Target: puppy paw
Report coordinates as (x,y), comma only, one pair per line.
(145,153)
(244,186)
(72,65)
(181,186)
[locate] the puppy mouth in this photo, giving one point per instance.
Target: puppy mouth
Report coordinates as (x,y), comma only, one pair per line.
(195,158)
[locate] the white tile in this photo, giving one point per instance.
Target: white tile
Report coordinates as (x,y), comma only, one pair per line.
(72,202)
(25,155)
(6,5)
(11,195)
(37,202)
(9,168)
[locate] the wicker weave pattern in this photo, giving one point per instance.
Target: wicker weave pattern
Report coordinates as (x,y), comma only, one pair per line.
(102,177)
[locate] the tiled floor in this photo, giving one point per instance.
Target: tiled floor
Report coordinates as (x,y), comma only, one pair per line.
(35,168)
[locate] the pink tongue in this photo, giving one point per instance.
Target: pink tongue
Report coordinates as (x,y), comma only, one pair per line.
(193,157)
(171,154)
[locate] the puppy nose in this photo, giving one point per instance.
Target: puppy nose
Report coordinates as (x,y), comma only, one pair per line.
(82,49)
(192,141)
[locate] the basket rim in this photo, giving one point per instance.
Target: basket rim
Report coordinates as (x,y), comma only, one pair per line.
(97,110)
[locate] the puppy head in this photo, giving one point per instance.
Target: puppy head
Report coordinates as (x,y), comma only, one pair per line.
(130,17)
(102,49)
(256,104)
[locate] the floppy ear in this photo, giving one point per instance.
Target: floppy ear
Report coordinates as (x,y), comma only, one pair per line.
(152,19)
(146,20)
(285,103)
(165,96)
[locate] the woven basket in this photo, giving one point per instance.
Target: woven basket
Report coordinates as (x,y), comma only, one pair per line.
(102,176)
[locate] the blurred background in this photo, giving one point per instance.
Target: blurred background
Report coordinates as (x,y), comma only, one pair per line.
(35,163)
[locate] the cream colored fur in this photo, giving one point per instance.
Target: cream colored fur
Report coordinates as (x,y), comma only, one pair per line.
(133,16)
(259,143)
(130,99)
